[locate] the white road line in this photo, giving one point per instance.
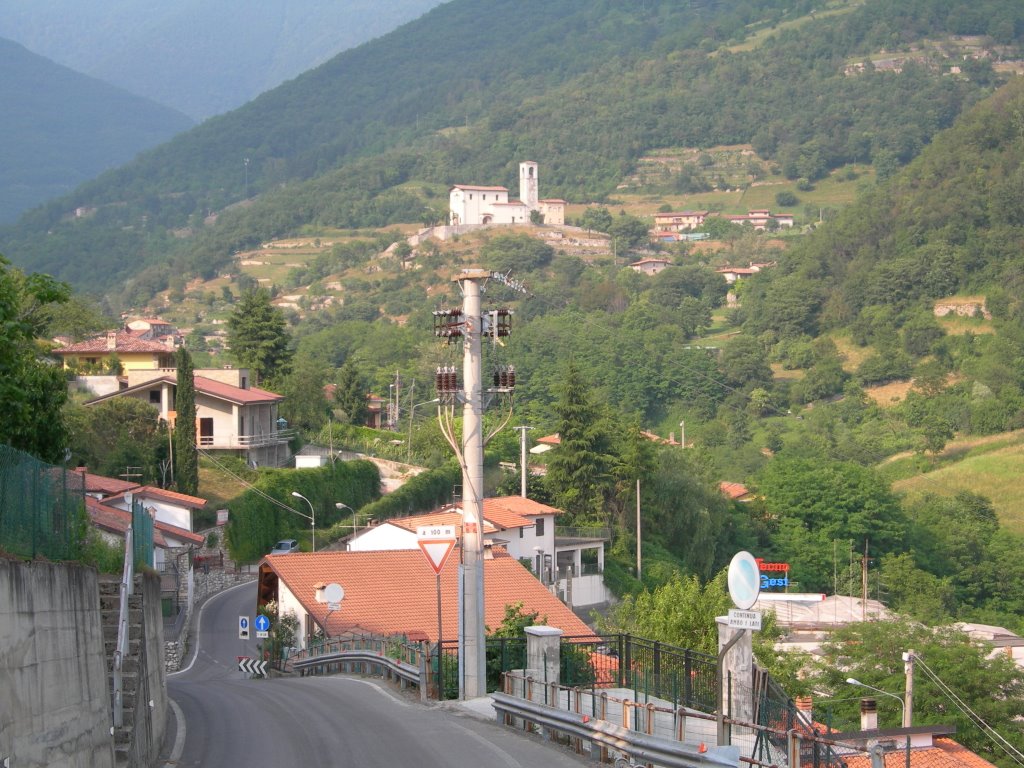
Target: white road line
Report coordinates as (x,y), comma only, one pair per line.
(199,622)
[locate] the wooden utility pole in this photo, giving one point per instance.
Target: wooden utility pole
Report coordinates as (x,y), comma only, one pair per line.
(638,529)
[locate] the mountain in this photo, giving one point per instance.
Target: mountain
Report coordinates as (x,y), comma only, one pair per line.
(62,128)
(585,88)
(202,57)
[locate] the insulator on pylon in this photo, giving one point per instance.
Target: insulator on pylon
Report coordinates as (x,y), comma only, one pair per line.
(503,377)
(497,377)
(453,379)
(439,380)
(511,377)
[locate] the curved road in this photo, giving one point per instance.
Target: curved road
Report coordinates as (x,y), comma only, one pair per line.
(321,721)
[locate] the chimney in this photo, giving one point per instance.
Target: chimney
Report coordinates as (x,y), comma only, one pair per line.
(111,340)
(868,715)
(804,703)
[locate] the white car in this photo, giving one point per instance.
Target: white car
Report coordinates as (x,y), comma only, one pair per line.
(284,546)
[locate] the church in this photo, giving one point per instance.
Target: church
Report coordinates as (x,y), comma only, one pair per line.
(469,204)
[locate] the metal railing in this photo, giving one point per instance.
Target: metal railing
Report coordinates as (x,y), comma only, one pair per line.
(568,532)
(246,441)
(127,586)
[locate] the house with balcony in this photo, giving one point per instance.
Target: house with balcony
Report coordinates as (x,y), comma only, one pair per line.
(231,415)
(568,561)
(679,221)
(130,350)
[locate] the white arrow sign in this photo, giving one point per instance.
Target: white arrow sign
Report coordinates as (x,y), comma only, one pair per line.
(252,667)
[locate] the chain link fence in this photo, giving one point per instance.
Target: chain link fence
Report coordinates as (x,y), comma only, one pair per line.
(42,507)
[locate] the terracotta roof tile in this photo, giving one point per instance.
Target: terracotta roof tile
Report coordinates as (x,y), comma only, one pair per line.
(441,517)
(944,753)
(733,490)
(124,341)
(394,591)
(234,394)
(512,511)
(108,486)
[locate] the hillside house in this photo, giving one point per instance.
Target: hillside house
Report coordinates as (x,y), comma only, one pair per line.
(526,530)
(761,218)
(679,221)
(476,205)
(231,414)
(133,350)
(393,592)
(650,266)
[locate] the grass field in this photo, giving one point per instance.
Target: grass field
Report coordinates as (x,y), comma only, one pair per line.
(989,466)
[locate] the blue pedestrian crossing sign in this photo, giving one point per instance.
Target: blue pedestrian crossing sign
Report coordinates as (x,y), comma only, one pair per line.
(262,626)
(243,627)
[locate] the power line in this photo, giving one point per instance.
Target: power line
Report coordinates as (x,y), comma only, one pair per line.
(973,716)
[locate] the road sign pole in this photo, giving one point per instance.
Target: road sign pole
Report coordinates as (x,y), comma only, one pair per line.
(439,635)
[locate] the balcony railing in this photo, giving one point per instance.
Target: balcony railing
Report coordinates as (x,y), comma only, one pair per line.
(231,442)
(565,532)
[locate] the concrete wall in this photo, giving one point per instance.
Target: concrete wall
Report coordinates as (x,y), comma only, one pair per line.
(54,696)
(151,702)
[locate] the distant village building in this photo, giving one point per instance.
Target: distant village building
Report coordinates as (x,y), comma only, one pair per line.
(650,266)
(679,221)
(471,204)
(760,219)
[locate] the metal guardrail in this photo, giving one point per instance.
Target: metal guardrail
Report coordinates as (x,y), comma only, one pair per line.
(608,737)
(394,658)
(568,532)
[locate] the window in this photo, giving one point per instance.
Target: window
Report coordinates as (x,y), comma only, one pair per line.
(154,396)
(245,383)
(470,195)
(539,527)
(520,532)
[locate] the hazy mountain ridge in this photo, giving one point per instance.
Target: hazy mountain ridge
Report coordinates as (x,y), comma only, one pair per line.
(201,57)
(62,128)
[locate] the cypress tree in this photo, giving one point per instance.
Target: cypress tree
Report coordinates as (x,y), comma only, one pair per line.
(186,455)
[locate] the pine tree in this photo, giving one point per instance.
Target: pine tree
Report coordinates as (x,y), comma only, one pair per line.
(579,471)
(258,337)
(186,455)
(350,394)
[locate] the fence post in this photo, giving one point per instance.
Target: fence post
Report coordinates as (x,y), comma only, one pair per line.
(688,678)
(657,668)
(627,661)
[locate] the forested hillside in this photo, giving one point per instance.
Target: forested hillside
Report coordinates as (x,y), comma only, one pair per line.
(584,88)
(61,128)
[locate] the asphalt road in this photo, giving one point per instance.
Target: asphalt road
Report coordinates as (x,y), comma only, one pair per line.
(321,721)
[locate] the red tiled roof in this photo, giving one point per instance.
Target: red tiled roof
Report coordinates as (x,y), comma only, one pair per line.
(737,270)
(151,492)
(475,188)
(733,490)
(116,520)
(393,592)
(442,517)
(124,341)
(550,439)
(650,261)
(108,486)
(234,394)
(944,753)
(512,511)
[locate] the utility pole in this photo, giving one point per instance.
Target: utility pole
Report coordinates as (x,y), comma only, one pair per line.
(864,583)
(522,459)
(682,434)
(638,529)
(908,692)
(471,325)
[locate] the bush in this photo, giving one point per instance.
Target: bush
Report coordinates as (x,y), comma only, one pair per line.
(786,199)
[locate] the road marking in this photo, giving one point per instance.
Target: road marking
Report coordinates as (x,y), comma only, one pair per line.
(509,760)
(377,688)
(179,735)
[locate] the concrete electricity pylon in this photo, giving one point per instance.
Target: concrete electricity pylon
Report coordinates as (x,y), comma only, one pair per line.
(472,326)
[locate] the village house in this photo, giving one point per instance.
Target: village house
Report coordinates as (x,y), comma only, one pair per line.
(650,266)
(679,221)
(394,592)
(761,218)
(231,414)
(131,350)
(477,205)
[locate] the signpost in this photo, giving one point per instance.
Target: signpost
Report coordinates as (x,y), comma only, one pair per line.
(437,543)
(243,627)
(744,619)
(262,626)
(744,589)
(252,667)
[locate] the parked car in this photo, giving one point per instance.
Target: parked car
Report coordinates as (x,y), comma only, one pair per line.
(284,546)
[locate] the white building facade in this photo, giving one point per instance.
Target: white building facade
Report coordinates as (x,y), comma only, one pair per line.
(478,205)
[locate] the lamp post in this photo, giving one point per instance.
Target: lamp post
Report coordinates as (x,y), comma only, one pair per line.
(340,505)
(903,706)
(312,515)
(412,412)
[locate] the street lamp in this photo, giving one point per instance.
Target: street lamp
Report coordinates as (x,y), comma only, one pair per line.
(412,411)
(312,515)
(340,505)
(903,706)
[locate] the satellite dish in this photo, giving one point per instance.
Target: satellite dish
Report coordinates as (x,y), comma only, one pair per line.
(744,580)
(333,593)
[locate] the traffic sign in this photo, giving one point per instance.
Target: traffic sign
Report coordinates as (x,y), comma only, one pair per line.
(435,531)
(252,666)
(744,580)
(262,626)
(243,627)
(744,619)
(437,552)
